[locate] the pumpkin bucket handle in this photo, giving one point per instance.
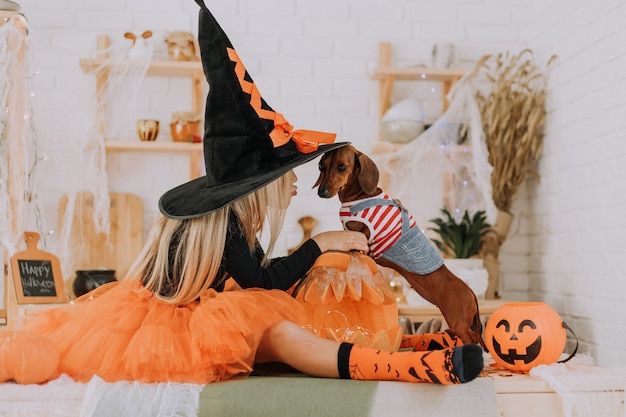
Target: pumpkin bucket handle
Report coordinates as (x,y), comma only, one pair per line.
(575,348)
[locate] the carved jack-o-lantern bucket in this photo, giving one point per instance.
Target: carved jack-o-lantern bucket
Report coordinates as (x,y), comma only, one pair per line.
(347,299)
(522,335)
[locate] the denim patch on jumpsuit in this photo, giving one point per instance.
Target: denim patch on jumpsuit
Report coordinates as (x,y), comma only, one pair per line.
(413,251)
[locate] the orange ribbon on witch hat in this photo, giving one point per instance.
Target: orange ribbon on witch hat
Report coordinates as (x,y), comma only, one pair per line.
(307,141)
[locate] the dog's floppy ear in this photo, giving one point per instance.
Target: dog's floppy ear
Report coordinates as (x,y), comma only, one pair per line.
(319,180)
(368,175)
(321,176)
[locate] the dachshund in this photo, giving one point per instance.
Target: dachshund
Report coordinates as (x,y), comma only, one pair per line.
(399,244)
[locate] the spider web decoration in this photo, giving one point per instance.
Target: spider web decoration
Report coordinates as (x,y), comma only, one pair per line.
(450,155)
(586,389)
(119,75)
(19,151)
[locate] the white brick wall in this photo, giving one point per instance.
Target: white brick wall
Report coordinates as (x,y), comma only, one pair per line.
(576,243)
(311,60)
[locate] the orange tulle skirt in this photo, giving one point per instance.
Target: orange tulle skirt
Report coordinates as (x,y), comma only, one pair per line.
(118,333)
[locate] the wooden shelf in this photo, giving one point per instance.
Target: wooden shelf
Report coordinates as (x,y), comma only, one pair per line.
(194,150)
(157,68)
(418,73)
(387,75)
(421,313)
(156,146)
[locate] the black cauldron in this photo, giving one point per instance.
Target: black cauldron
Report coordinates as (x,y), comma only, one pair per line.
(87,280)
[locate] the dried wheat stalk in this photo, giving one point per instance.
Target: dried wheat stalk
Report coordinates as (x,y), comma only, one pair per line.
(513,115)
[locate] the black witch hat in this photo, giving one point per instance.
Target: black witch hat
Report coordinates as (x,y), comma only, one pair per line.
(247,145)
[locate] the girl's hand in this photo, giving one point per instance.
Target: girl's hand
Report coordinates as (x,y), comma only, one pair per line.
(341,240)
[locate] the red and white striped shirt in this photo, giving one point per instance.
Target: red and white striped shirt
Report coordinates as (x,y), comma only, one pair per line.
(383,221)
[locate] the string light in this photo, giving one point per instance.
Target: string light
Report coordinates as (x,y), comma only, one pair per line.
(21,147)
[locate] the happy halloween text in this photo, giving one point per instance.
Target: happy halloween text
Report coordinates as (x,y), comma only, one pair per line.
(37,279)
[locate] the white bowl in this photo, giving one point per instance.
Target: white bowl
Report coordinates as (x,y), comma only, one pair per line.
(407,109)
(10,6)
(401,131)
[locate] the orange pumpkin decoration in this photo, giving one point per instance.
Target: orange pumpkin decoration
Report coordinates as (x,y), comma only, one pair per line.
(522,335)
(347,299)
(27,358)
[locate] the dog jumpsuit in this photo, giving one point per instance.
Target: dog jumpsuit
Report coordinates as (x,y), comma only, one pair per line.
(393,233)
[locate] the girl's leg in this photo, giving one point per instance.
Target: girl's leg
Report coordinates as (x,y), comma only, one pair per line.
(291,344)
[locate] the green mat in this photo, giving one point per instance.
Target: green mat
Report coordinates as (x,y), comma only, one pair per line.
(283,396)
(277,390)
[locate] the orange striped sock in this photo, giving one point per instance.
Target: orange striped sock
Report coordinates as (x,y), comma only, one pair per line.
(446,367)
(430,341)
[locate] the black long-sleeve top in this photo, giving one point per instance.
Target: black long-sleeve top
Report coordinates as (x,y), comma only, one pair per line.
(245,267)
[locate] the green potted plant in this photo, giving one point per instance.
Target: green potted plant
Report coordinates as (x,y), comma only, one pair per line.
(460,243)
(462,239)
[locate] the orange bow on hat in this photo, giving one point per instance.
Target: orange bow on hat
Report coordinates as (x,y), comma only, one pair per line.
(307,141)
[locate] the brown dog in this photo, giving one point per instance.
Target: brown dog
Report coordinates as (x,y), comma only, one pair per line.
(353,176)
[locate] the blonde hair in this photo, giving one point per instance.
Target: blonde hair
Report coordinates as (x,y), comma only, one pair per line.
(265,206)
(181,258)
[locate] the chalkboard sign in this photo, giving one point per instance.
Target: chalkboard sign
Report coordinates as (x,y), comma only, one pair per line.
(37,274)
(37,279)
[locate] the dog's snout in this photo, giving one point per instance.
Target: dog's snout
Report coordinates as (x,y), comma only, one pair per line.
(323,192)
